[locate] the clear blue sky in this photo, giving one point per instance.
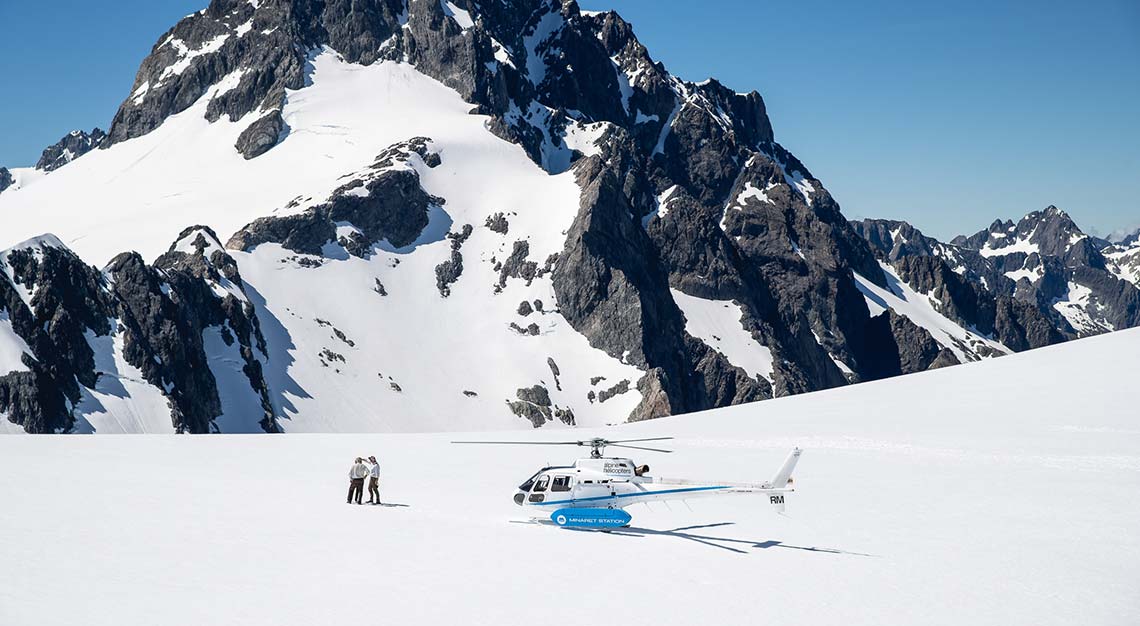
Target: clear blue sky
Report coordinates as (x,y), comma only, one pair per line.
(945,114)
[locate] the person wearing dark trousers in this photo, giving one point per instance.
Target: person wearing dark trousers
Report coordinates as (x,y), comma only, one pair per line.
(373,481)
(356,480)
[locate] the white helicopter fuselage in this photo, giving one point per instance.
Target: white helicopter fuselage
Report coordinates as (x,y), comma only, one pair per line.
(616,483)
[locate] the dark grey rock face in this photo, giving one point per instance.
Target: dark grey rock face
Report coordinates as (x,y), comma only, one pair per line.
(688,190)
(1008,280)
(448,272)
(6,179)
(517,264)
(916,349)
(73,145)
(69,299)
(261,135)
(612,288)
(498,223)
(533,404)
(379,204)
(161,312)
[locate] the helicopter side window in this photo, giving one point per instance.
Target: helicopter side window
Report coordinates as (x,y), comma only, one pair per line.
(542,484)
(561,483)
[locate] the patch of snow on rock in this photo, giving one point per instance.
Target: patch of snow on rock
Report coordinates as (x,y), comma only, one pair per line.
(718,324)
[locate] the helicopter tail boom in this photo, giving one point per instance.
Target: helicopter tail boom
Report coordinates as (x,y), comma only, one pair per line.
(782,477)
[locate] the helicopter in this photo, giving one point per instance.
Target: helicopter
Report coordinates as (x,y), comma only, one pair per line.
(594,492)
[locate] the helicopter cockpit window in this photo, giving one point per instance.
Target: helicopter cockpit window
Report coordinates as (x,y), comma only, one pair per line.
(529,482)
(542,484)
(561,483)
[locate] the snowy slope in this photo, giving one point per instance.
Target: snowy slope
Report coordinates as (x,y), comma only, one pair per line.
(916,503)
(140,194)
(148,189)
(966,344)
(186,171)
(718,324)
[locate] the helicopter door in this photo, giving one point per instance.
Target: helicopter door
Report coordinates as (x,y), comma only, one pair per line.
(538,494)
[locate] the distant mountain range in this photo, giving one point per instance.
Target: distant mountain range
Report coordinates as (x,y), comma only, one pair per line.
(401,215)
(1080,285)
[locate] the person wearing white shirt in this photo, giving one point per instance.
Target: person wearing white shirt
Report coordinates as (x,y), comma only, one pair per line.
(356,477)
(374,481)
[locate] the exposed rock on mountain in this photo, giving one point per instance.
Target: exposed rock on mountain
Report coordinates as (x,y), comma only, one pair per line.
(132,335)
(656,233)
(73,145)
(383,202)
(6,179)
(1037,282)
(261,135)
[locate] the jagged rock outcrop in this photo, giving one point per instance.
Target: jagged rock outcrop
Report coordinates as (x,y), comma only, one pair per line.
(908,348)
(688,189)
(52,300)
(384,202)
(261,135)
(685,191)
(73,145)
(534,405)
(58,305)
(6,179)
(1032,283)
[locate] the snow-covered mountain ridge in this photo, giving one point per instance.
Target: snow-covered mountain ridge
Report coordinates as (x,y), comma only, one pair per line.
(440,215)
(1036,282)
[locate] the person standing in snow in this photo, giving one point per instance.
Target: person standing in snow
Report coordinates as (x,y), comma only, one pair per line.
(374,481)
(356,477)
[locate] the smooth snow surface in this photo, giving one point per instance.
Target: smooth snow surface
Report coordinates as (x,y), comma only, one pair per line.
(718,324)
(12,347)
(996,493)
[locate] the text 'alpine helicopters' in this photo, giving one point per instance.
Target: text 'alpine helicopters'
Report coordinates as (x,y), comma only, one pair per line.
(593,492)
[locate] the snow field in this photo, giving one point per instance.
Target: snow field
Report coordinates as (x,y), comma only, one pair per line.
(984,494)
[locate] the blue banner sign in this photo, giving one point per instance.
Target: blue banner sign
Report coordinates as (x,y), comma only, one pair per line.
(590,518)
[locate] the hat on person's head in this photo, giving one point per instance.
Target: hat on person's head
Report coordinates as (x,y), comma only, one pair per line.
(372,458)
(359,459)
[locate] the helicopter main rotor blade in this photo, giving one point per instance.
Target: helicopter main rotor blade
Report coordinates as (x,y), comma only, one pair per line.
(525,443)
(633,440)
(618,445)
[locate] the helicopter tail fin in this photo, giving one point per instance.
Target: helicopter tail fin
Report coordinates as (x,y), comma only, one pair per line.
(782,477)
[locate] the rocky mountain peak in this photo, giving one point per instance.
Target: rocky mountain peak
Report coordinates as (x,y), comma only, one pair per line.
(6,179)
(72,146)
(652,232)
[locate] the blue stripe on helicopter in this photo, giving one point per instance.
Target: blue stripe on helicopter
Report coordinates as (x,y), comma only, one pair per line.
(623,495)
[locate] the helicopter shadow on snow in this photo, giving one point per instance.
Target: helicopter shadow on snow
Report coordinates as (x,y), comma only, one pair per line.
(730,544)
